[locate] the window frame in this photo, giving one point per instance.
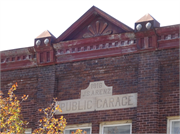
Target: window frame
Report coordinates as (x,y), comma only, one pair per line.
(28,130)
(169,122)
(79,126)
(115,123)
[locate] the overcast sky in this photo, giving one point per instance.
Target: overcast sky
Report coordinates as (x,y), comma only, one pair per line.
(22,21)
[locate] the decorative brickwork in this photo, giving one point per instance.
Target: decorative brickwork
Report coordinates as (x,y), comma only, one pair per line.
(144,62)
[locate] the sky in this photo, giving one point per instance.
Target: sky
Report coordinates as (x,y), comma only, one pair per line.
(21,21)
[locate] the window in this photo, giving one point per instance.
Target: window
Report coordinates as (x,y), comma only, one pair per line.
(84,127)
(116,127)
(28,131)
(173,125)
(69,131)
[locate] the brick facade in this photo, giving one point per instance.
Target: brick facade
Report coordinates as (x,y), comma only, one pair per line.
(152,72)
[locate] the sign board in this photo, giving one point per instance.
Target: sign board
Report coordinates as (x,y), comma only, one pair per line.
(96,89)
(97,97)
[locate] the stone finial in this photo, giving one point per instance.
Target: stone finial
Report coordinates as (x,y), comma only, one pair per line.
(138,27)
(148,25)
(43,47)
(38,42)
(147,22)
(46,41)
(45,34)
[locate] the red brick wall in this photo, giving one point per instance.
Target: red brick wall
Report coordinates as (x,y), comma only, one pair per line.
(169,88)
(153,75)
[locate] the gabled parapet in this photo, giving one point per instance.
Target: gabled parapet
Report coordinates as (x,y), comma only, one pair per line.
(93,23)
(94,35)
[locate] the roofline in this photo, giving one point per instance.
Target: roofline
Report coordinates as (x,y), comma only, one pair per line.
(86,15)
(51,35)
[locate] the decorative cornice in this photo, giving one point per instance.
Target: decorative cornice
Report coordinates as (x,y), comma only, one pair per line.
(95,40)
(18,58)
(18,52)
(168,29)
(91,48)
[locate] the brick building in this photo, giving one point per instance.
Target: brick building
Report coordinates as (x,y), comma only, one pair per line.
(108,77)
